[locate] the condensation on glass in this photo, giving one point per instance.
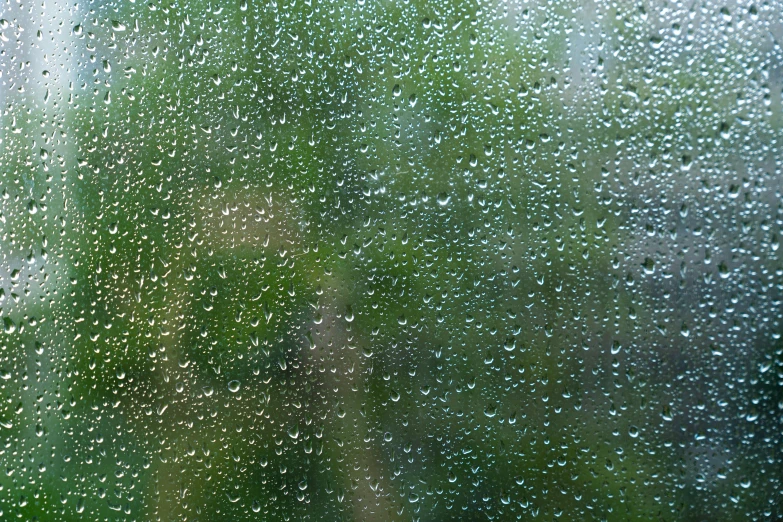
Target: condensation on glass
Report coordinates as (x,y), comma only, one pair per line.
(375,260)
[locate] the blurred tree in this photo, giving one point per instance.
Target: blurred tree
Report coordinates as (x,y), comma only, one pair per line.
(386,261)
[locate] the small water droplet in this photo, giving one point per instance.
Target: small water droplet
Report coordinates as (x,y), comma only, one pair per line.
(685,331)
(8,325)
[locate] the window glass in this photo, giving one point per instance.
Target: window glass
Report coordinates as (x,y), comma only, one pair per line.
(390,260)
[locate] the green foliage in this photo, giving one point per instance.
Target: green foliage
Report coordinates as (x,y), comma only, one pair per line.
(384,261)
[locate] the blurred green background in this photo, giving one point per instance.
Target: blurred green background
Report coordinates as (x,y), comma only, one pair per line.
(369,261)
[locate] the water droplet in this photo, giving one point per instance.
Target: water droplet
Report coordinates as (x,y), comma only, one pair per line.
(9,326)
(684,330)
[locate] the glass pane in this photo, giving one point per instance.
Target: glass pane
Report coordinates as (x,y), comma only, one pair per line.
(417,260)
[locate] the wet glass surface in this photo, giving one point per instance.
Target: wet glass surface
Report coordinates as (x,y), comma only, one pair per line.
(304,260)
